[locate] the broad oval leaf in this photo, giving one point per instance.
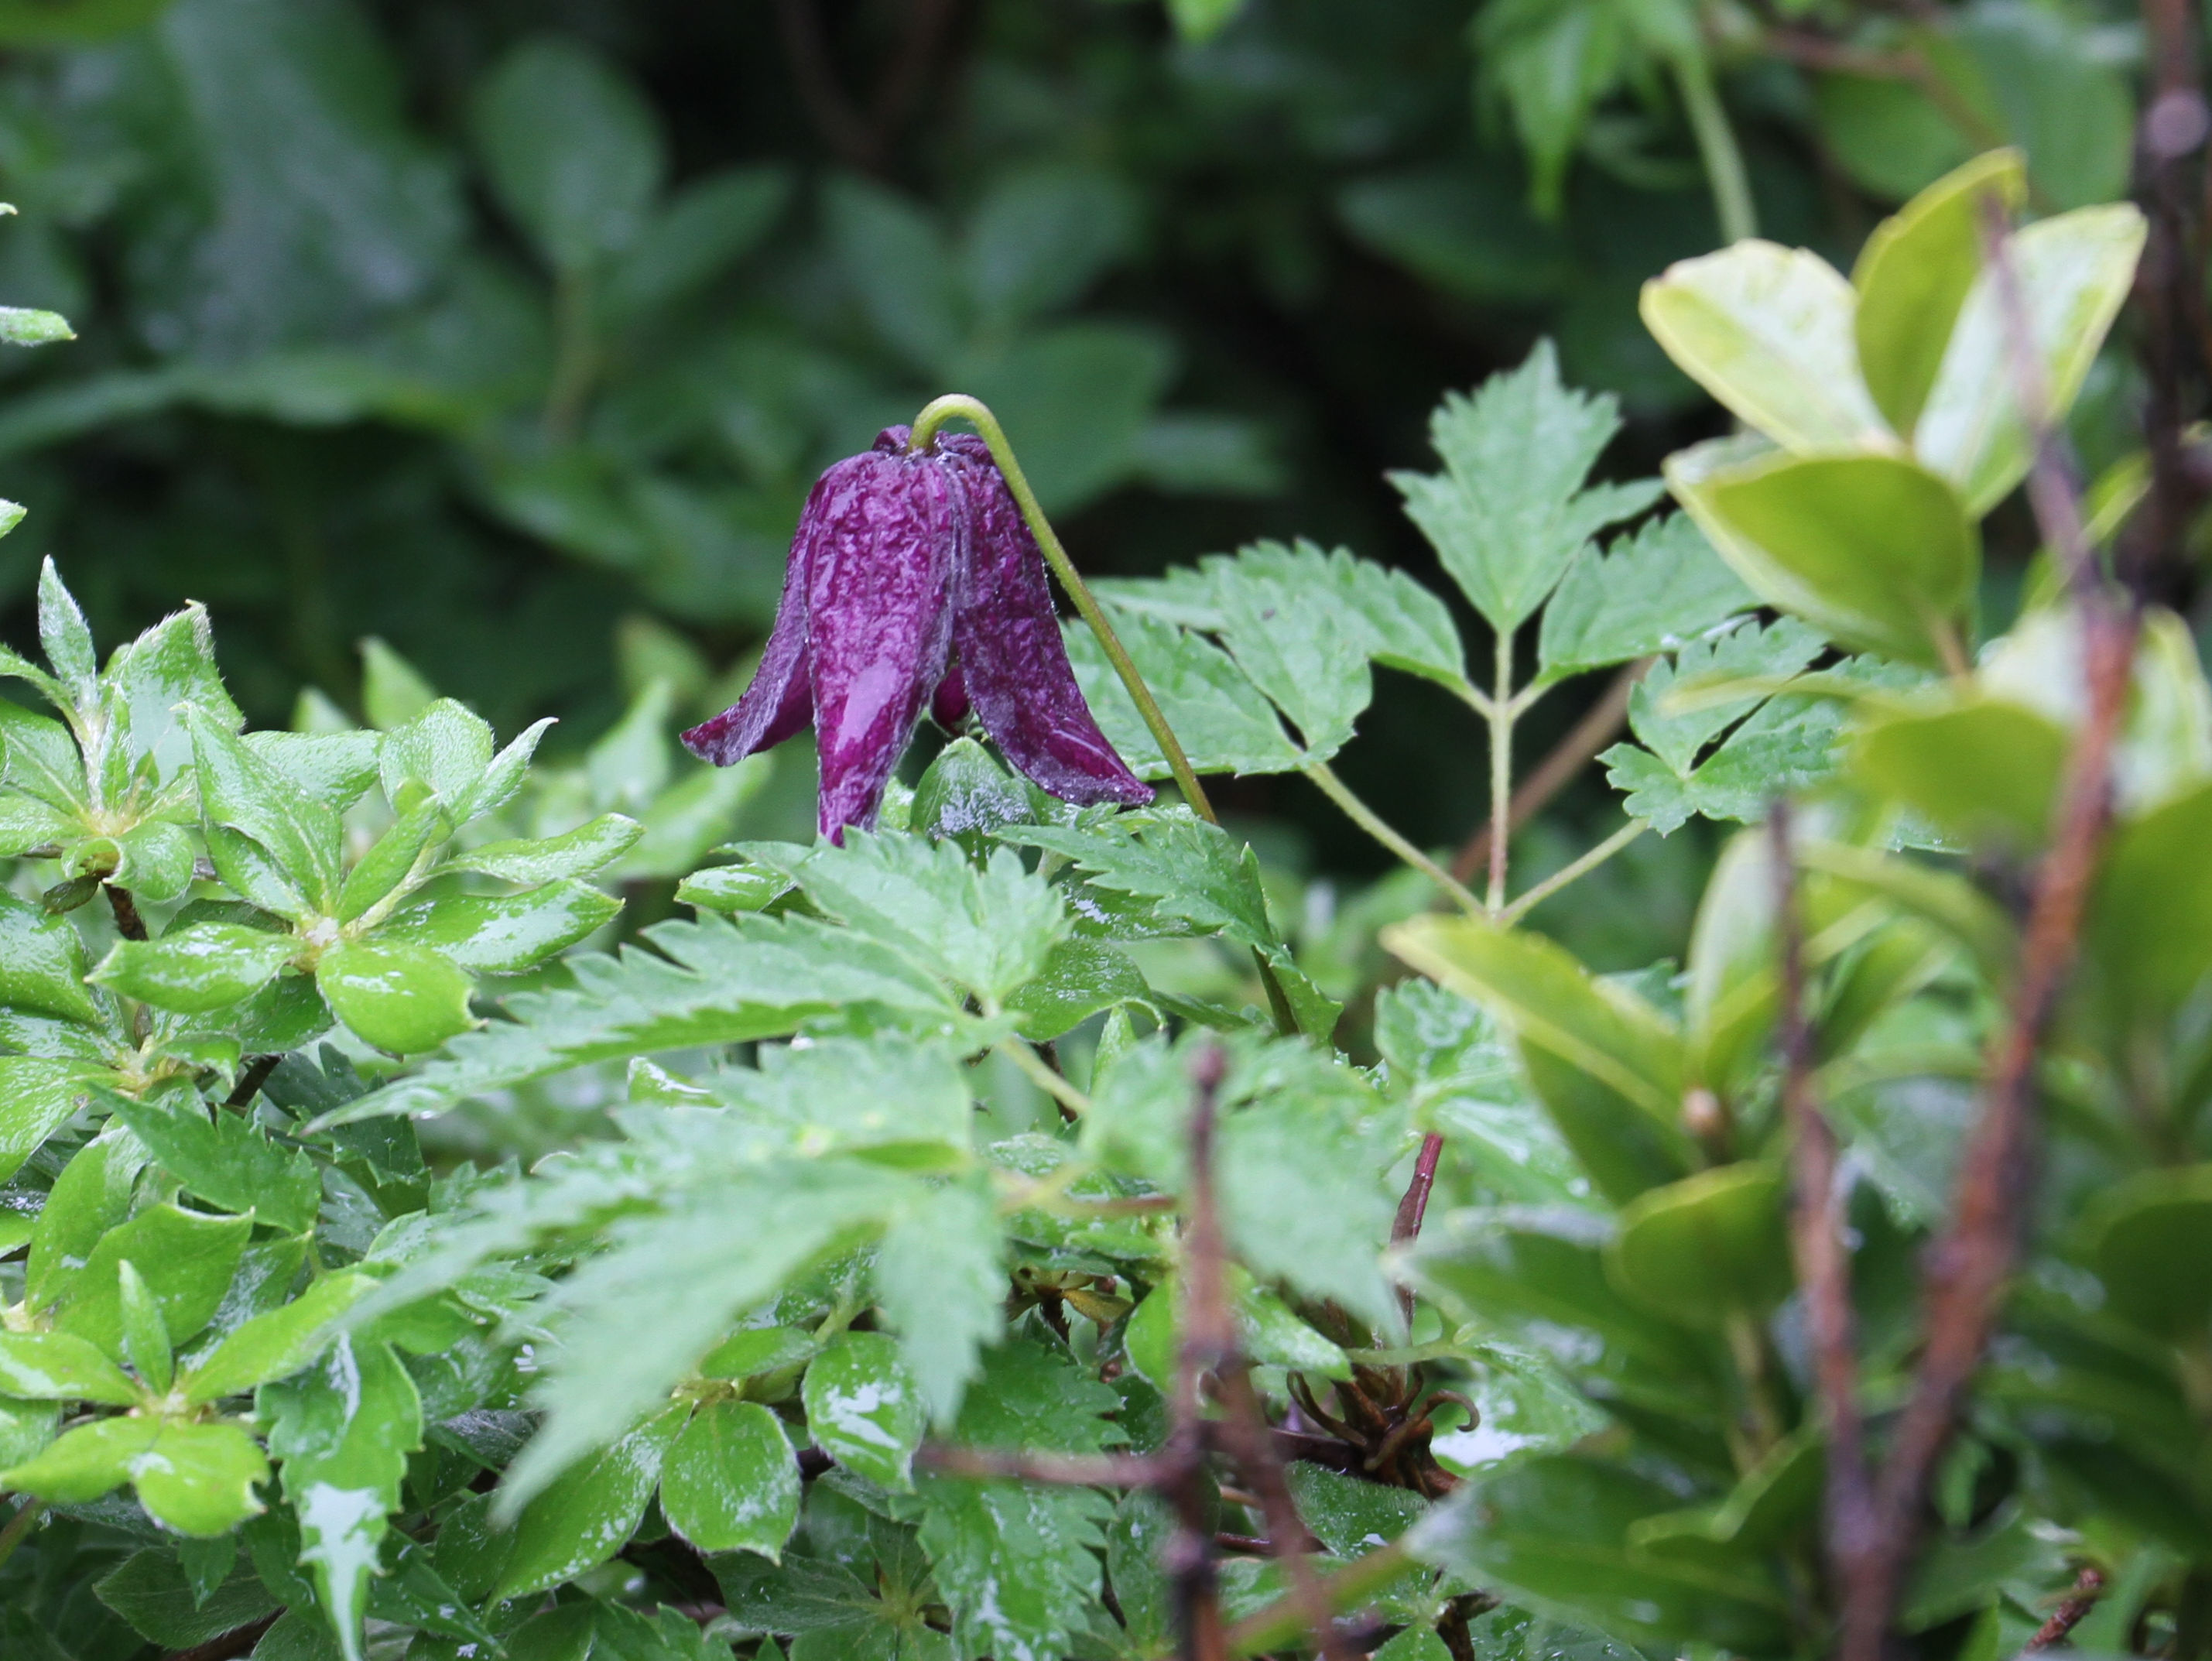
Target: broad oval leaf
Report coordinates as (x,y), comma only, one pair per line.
(587,1513)
(1705,1249)
(402,998)
(730,1481)
(864,1409)
(1983,769)
(58,1367)
(2146,1242)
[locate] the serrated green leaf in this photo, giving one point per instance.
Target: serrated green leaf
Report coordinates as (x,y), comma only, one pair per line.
(1223,721)
(1510,511)
(342,1433)
(532,860)
(198,969)
(587,1514)
(226,1160)
(730,1481)
(1019,1563)
(92,1194)
(153,1592)
(1656,591)
(1194,875)
(503,934)
(987,930)
(1080,978)
(940,1277)
(718,983)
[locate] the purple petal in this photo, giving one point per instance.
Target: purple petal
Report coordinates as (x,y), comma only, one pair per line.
(949,705)
(779,700)
(877,596)
(1011,654)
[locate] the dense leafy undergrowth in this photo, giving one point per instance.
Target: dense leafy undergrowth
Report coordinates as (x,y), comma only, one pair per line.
(987,1248)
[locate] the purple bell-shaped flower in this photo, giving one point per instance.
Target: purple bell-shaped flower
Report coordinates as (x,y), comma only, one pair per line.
(913,582)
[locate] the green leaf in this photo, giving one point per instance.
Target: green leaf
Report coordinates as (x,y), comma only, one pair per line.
(532,861)
(55,1367)
(1301,1201)
(718,983)
(272,842)
(940,1278)
(587,1513)
(1223,721)
(1608,1067)
(393,690)
(2148,933)
(43,759)
(20,326)
(704,228)
(1915,272)
(342,1433)
(393,857)
(1708,1247)
(27,822)
(1875,551)
(187,1258)
(730,1481)
(198,969)
(65,637)
(1079,979)
(1788,741)
(445,748)
(987,930)
(1195,878)
(503,934)
(1511,511)
(1552,1532)
(92,1194)
(1267,1332)
(42,963)
(226,1160)
(2141,1238)
(574,152)
(1985,770)
(278,1343)
(1350,1516)
(145,1338)
(37,1097)
(865,1408)
(1017,1564)
(1656,591)
(1770,331)
(154,860)
(152,1591)
(2074,271)
(195,1479)
(335,770)
(1551,62)
(402,998)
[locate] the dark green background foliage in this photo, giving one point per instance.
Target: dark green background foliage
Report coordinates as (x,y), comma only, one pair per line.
(487,328)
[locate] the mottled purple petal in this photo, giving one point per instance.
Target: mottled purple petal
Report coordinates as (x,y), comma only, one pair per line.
(1011,655)
(779,700)
(878,598)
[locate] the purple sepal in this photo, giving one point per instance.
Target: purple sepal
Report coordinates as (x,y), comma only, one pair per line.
(891,534)
(779,702)
(1012,657)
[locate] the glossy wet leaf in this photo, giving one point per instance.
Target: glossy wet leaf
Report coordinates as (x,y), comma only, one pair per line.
(42,963)
(729,1482)
(278,1342)
(865,1408)
(226,1160)
(589,1511)
(37,1097)
(58,1367)
(186,1258)
(400,996)
(197,1479)
(503,934)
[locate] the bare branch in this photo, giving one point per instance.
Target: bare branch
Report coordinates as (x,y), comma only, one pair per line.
(2088,1586)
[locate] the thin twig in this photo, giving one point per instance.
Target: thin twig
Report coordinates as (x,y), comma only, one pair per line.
(1817,1225)
(2088,1587)
(1209,1340)
(1415,1204)
(1600,725)
(1967,1268)
(128,922)
(254,1074)
(19,1526)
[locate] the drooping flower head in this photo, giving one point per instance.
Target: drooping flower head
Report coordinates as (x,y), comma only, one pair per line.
(914,582)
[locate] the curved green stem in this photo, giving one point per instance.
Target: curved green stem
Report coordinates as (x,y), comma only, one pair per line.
(1581,867)
(1374,825)
(1717,148)
(978,415)
(1033,1069)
